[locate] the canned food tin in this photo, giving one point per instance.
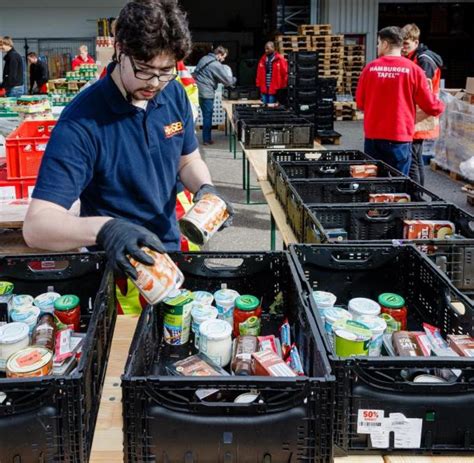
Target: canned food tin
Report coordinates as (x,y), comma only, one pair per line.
(351,338)
(177,317)
(30,362)
(204,219)
(156,281)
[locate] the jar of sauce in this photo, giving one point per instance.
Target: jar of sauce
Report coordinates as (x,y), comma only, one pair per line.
(68,311)
(394,305)
(245,307)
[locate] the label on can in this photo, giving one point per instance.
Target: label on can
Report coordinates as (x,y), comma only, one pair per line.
(177,318)
(204,219)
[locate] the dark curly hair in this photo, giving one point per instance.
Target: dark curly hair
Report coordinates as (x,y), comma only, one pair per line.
(147,28)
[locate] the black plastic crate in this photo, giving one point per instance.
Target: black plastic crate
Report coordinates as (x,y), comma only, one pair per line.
(241,93)
(303,70)
(378,222)
(275,157)
(52,418)
(265,119)
(302,95)
(295,194)
(296,133)
(379,384)
(307,110)
(293,420)
(301,81)
(303,58)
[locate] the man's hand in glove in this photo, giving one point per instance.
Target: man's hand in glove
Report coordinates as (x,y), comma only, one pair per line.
(212,190)
(121,238)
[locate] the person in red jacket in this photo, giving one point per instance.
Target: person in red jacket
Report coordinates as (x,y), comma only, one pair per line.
(82,58)
(272,74)
(389,89)
(431,63)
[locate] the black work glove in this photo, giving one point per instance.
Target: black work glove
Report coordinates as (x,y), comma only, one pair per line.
(121,238)
(206,188)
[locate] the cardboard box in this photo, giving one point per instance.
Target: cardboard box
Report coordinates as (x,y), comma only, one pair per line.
(470,85)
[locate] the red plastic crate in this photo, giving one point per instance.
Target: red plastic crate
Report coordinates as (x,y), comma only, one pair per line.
(27,188)
(9,189)
(25,147)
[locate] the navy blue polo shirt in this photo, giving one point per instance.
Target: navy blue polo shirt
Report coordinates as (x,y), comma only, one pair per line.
(120,160)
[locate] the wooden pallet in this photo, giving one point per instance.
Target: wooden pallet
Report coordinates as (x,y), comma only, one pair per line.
(328,38)
(328,140)
(354,59)
(354,48)
(315,29)
(453,175)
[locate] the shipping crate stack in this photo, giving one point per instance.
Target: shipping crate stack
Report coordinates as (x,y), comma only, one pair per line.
(330,50)
(354,62)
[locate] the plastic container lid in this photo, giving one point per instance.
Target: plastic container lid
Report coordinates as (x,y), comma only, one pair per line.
(215,330)
(203,297)
(391,301)
(20,314)
(66,302)
(22,300)
(376,324)
(336,313)
(323,299)
(352,330)
(363,306)
(201,312)
(46,300)
(178,297)
(11,333)
(247,303)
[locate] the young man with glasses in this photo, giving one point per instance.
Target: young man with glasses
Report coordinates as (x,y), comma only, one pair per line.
(120,147)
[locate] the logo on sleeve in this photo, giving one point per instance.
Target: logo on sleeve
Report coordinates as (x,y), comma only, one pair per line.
(174,129)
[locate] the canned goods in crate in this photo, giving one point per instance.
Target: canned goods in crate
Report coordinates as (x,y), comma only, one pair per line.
(30,362)
(394,305)
(351,338)
(177,317)
(204,219)
(156,281)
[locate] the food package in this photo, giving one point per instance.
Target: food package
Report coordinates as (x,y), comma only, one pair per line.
(196,365)
(389,198)
(462,344)
(364,171)
(267,363)
(405,344)
(427,229)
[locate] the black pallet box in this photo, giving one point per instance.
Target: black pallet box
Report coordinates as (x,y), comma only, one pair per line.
(302,95)
(296,133)
(241,93)
(275,157)
(52,418)
(369,222)
(301,81)
(291,420)
(370,388)
(294,194)
(327,88)
(265,119)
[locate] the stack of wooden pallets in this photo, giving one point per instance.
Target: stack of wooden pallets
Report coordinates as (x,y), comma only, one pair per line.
(354,62)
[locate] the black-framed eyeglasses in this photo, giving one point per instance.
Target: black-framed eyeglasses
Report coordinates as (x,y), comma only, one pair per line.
(146,75)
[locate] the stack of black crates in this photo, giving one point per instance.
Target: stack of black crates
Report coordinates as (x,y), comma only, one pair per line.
(309,95)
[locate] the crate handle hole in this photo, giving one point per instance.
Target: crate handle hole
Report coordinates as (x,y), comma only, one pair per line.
(39,266)
(223,263)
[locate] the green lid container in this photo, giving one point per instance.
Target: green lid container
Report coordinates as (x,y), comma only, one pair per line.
(66,302)
(6,288)
(391,301)
(247,303)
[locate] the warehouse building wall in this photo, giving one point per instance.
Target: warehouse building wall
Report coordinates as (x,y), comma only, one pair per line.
(353,17)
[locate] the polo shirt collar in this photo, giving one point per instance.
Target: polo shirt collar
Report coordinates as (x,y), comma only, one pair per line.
(116,100)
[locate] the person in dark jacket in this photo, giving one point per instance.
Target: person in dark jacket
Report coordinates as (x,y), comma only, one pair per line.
(427,128)
(38,74)
(12,70)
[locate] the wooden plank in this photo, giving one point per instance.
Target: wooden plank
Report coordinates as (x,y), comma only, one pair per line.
(360,459)
(12,213)
(427,459)
(108,436)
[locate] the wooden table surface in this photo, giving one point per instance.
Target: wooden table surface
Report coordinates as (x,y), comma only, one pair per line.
(108,437)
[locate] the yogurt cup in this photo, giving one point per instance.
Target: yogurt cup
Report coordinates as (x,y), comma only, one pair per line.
(28,315)
(203,297)
(13,337)
(215,341)
(21,300)
(324,299)
(45,302)
(351,338)
(378,327)
(199,314)
(225,303)
(331,316)
(361,306)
